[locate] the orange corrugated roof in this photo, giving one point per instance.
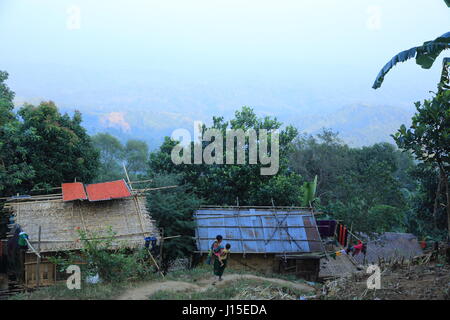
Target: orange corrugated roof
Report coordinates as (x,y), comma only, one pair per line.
(107,190)
(73,191)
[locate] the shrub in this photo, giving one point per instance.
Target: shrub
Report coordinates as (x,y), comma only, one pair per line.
(100,256)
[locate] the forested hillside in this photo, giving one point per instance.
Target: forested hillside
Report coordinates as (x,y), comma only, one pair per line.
(374,188)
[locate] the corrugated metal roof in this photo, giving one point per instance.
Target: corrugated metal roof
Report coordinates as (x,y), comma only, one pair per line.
(73,191)
(108,190)
(258,230)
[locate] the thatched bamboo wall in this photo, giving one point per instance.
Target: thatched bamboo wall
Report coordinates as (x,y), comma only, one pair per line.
(60,220)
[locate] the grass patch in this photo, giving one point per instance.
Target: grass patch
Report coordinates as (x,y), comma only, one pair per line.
(192,275)
(244,288)
(99,291)
(247,289)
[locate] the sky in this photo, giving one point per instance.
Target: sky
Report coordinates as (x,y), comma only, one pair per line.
(146,61)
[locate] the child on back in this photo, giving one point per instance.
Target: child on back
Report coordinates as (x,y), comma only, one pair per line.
(224,254)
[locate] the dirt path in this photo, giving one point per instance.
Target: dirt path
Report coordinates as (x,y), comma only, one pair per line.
(148,289)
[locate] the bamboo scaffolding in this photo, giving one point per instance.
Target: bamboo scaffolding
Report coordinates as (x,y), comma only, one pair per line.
(97,238)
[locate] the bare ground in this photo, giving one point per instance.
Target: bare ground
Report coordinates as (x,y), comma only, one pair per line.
(143,292)
(429,281)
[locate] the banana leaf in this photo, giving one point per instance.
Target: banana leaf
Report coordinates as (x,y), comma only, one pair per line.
(425,55)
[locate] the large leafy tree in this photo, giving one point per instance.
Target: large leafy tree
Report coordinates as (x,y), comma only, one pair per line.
(172,210)
(227,184)
(361,186)
(58,147)
(40,147)
(14,167)
(428,139)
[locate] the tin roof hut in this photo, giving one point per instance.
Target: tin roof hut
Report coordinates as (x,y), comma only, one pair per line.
(266,239)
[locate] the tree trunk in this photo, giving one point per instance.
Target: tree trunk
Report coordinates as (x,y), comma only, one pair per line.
(447,192)
(436,199)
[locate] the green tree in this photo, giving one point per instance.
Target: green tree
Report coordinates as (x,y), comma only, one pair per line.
(136,157)
(172,210)
(111,157)
(58,147)
(6,100)
(325,156)
(14,167)
(224,184)
(427,215)
(354,183)
(428,139)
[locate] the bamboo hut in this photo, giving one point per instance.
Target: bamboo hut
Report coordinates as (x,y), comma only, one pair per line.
(53,222)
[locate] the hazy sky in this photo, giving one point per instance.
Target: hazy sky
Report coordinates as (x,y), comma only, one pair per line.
(181,55)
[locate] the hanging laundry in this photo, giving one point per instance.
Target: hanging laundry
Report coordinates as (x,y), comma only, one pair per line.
(356,249)
(22,240)
(342,234)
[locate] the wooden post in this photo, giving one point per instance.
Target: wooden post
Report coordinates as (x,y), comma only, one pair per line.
(161,243)
(38,265)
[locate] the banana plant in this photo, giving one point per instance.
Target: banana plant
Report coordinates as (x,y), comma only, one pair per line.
(309,189)
(425,55)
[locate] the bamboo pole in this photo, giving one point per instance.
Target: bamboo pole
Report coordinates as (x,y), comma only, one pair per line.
(32,248)
(172,237)
(153,189)
(140,181)
(126,173)
(38,265)
(156,264)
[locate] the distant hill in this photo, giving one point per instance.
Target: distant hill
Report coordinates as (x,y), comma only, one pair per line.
(360,124)
(357,124)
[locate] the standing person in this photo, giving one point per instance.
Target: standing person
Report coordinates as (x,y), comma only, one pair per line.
(215,252)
